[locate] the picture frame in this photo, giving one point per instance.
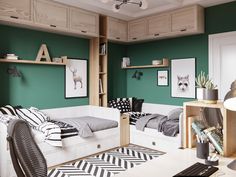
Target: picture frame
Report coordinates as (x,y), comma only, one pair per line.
(163,78)
(183,73)
(76,78)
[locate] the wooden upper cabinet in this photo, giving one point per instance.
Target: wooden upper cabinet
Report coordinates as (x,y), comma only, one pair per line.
(137,30)
(50,13)
(158,25)
(84,22)
(16,9)
(188,19)
(117,29)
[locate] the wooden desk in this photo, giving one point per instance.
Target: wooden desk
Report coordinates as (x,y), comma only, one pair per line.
(192,109)
(172,163)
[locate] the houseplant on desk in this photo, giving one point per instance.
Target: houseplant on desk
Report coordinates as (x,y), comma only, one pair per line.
(201,81)
(210,93)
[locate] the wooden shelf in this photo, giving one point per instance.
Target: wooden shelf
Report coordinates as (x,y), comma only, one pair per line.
(102,73)
(164,65)
(31,62)
(192,109)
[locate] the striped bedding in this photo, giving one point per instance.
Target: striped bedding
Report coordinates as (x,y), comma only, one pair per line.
(134,116)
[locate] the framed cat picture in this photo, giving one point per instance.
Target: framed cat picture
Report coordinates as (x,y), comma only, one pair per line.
(183,78)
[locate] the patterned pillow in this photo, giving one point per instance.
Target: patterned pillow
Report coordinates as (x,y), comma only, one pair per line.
(8,109)
(123,106)
(33,116)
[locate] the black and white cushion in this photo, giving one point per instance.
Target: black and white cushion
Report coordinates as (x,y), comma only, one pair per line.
(134,116)
(32,115)
(124,106)
(8,109)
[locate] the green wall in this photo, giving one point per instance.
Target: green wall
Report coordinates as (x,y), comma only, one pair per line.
(116,76)
(41,85)
(218,19)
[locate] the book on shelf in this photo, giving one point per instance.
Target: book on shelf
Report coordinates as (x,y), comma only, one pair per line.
(100,86)
(216,138)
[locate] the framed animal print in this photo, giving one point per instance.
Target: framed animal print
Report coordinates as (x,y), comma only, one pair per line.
(162,78)
(183,78)
(76,73)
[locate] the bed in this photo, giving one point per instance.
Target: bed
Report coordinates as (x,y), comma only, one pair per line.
(151,137)
(73,147)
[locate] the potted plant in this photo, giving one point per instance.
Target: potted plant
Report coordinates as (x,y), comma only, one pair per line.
(210,93)
(201,81)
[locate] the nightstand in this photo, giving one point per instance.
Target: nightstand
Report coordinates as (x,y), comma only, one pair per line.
(124,130)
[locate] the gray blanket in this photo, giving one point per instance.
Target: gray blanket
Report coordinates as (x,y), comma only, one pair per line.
(160,123)
(84,130)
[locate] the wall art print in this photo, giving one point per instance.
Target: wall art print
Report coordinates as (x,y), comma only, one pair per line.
(183,78)
(76,73)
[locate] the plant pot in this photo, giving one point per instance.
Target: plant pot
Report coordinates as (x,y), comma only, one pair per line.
(200,94)
(210,96)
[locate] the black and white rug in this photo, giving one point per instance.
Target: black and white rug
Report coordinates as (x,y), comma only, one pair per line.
(106,164)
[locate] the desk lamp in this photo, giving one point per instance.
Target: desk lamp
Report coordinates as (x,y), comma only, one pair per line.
(230,103)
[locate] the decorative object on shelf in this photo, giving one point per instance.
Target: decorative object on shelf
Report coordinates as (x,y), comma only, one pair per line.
(201,81)
(137,75)
(13,71)
(183,78)
(57,60)
(156,62)
(43,54)
(76,78)
(102,49)
(230,103)
(162,78)
(118,3)
(125,62)
(210,93)
(11,57)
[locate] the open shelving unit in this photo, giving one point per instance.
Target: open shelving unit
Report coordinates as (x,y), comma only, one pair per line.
(165,64)
(98,66)
(32,62)
(192,109)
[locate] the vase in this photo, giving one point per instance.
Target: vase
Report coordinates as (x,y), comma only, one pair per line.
(200,94)
(210,96)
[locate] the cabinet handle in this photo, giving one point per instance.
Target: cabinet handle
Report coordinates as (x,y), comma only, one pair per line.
(134,38)
(182,30)
(154,143)
(157,34)
(98,146)
(54,26)
(14,17)
(84,31)
(124,118)
(117,38)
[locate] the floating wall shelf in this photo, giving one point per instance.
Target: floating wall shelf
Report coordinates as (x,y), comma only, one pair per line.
(31,62)
(165,64)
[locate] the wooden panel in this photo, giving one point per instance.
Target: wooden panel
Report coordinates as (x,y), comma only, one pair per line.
(184,19)
(84,21)
(158,25)
(124,130)
(16,9)
(50,13)
(117,29)
(137,30)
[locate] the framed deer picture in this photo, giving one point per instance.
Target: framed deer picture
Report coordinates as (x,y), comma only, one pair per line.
(76,73)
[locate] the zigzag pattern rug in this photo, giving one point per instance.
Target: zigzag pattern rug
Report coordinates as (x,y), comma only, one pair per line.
(106,164)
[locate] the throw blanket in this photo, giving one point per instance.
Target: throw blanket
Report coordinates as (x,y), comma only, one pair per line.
(84,130)
(134,116)
(167,127)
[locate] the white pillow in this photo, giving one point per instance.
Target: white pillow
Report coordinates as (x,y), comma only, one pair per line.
(33,116)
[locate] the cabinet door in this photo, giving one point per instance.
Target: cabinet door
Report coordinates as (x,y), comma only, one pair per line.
(84,22)
(16,9)
(158,25)
(184,19)
(117,29)
(137,30)
(50,13)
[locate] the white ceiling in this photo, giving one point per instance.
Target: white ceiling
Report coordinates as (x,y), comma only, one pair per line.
(128,12)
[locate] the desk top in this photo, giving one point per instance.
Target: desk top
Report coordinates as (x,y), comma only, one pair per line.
(172,163)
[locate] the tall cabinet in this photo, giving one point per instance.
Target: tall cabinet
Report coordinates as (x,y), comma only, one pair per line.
(98,65)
